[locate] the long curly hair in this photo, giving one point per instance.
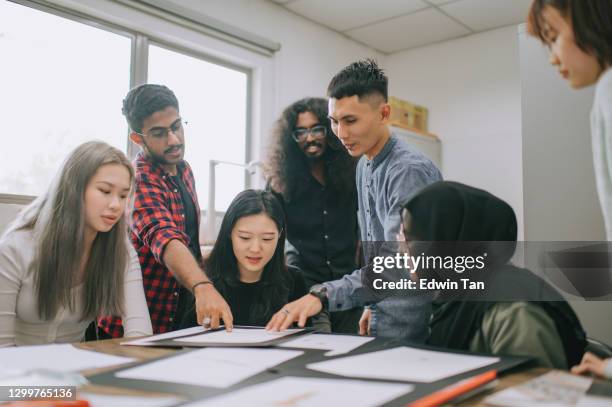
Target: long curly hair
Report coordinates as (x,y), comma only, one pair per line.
(286,168)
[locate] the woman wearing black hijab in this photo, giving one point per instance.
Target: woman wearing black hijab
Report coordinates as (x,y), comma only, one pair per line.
(518,313)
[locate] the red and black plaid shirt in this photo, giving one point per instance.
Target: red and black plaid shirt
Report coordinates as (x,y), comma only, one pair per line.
(158,218)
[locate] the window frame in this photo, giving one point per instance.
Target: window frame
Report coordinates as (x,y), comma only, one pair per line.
(138,75)
(217,61)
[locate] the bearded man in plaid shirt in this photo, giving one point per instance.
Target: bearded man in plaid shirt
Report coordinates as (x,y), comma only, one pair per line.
(166,218)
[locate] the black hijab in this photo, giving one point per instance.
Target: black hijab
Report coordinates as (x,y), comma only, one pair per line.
(457,219)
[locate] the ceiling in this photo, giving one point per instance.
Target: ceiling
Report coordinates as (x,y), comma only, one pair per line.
(395,25)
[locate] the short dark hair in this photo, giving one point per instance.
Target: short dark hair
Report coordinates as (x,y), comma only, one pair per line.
(591,21)
(144,100)
(361,78)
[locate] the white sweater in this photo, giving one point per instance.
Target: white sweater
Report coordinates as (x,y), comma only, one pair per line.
(20,323)
(601,132)
(608,369)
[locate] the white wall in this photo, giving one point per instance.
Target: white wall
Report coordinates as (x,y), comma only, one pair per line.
(557,160)
(310,53)
(473,91)
(561,201)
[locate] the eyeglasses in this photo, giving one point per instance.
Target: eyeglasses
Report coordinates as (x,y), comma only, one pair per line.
(162,132)
(318,131)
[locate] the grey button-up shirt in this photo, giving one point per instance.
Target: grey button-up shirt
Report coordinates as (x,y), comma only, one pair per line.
(384,185)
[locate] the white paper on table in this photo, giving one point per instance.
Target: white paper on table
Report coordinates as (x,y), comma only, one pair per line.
(214,367)
(6,372)
(238,335)
(168,335)
(38,378)
(552,389)
(594,401)
(56,357)
(104,400)
(336,344)
(403,363)
(306,392)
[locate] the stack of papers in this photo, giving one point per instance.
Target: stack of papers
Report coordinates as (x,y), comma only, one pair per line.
(403,364)
(40,377)
(336,344)
(245,336)
(214,367)
(307,392)
(55,357)
(199,337)
(149,340)
(554,388)
(105,400)
(594,401)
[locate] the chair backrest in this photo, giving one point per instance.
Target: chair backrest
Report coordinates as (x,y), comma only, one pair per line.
(8,212)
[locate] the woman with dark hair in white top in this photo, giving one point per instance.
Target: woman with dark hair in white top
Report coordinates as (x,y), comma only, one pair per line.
(578,34)
(67,260)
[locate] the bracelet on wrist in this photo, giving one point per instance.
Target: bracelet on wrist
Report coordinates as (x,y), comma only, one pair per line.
(200,283)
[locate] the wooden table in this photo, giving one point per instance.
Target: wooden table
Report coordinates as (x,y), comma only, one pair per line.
(509,380)
(113,347)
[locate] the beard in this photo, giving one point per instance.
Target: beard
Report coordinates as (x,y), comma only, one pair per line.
(160,158)
(320,153)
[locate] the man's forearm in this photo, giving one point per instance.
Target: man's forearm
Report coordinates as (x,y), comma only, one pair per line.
(182,264)
(348,292)
(211,308)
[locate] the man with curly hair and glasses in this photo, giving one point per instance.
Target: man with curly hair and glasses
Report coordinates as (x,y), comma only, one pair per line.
(314,176)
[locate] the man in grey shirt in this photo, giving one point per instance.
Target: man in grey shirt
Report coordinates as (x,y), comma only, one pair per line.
(389,173)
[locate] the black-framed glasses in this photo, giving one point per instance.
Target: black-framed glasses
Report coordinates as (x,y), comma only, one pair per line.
(162,132)
(318,131)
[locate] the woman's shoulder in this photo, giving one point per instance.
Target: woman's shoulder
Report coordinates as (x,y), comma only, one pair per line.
(603,89)
(506,309)
(17,252)
(605,81)
(518,317)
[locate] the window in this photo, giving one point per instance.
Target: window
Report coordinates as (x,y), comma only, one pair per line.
(62,84)
(213,100)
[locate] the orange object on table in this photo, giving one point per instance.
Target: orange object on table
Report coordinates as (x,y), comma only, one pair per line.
(453,391)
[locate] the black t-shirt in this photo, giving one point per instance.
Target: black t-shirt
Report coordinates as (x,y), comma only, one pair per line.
(185,298)
(242,300)
(191,218)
